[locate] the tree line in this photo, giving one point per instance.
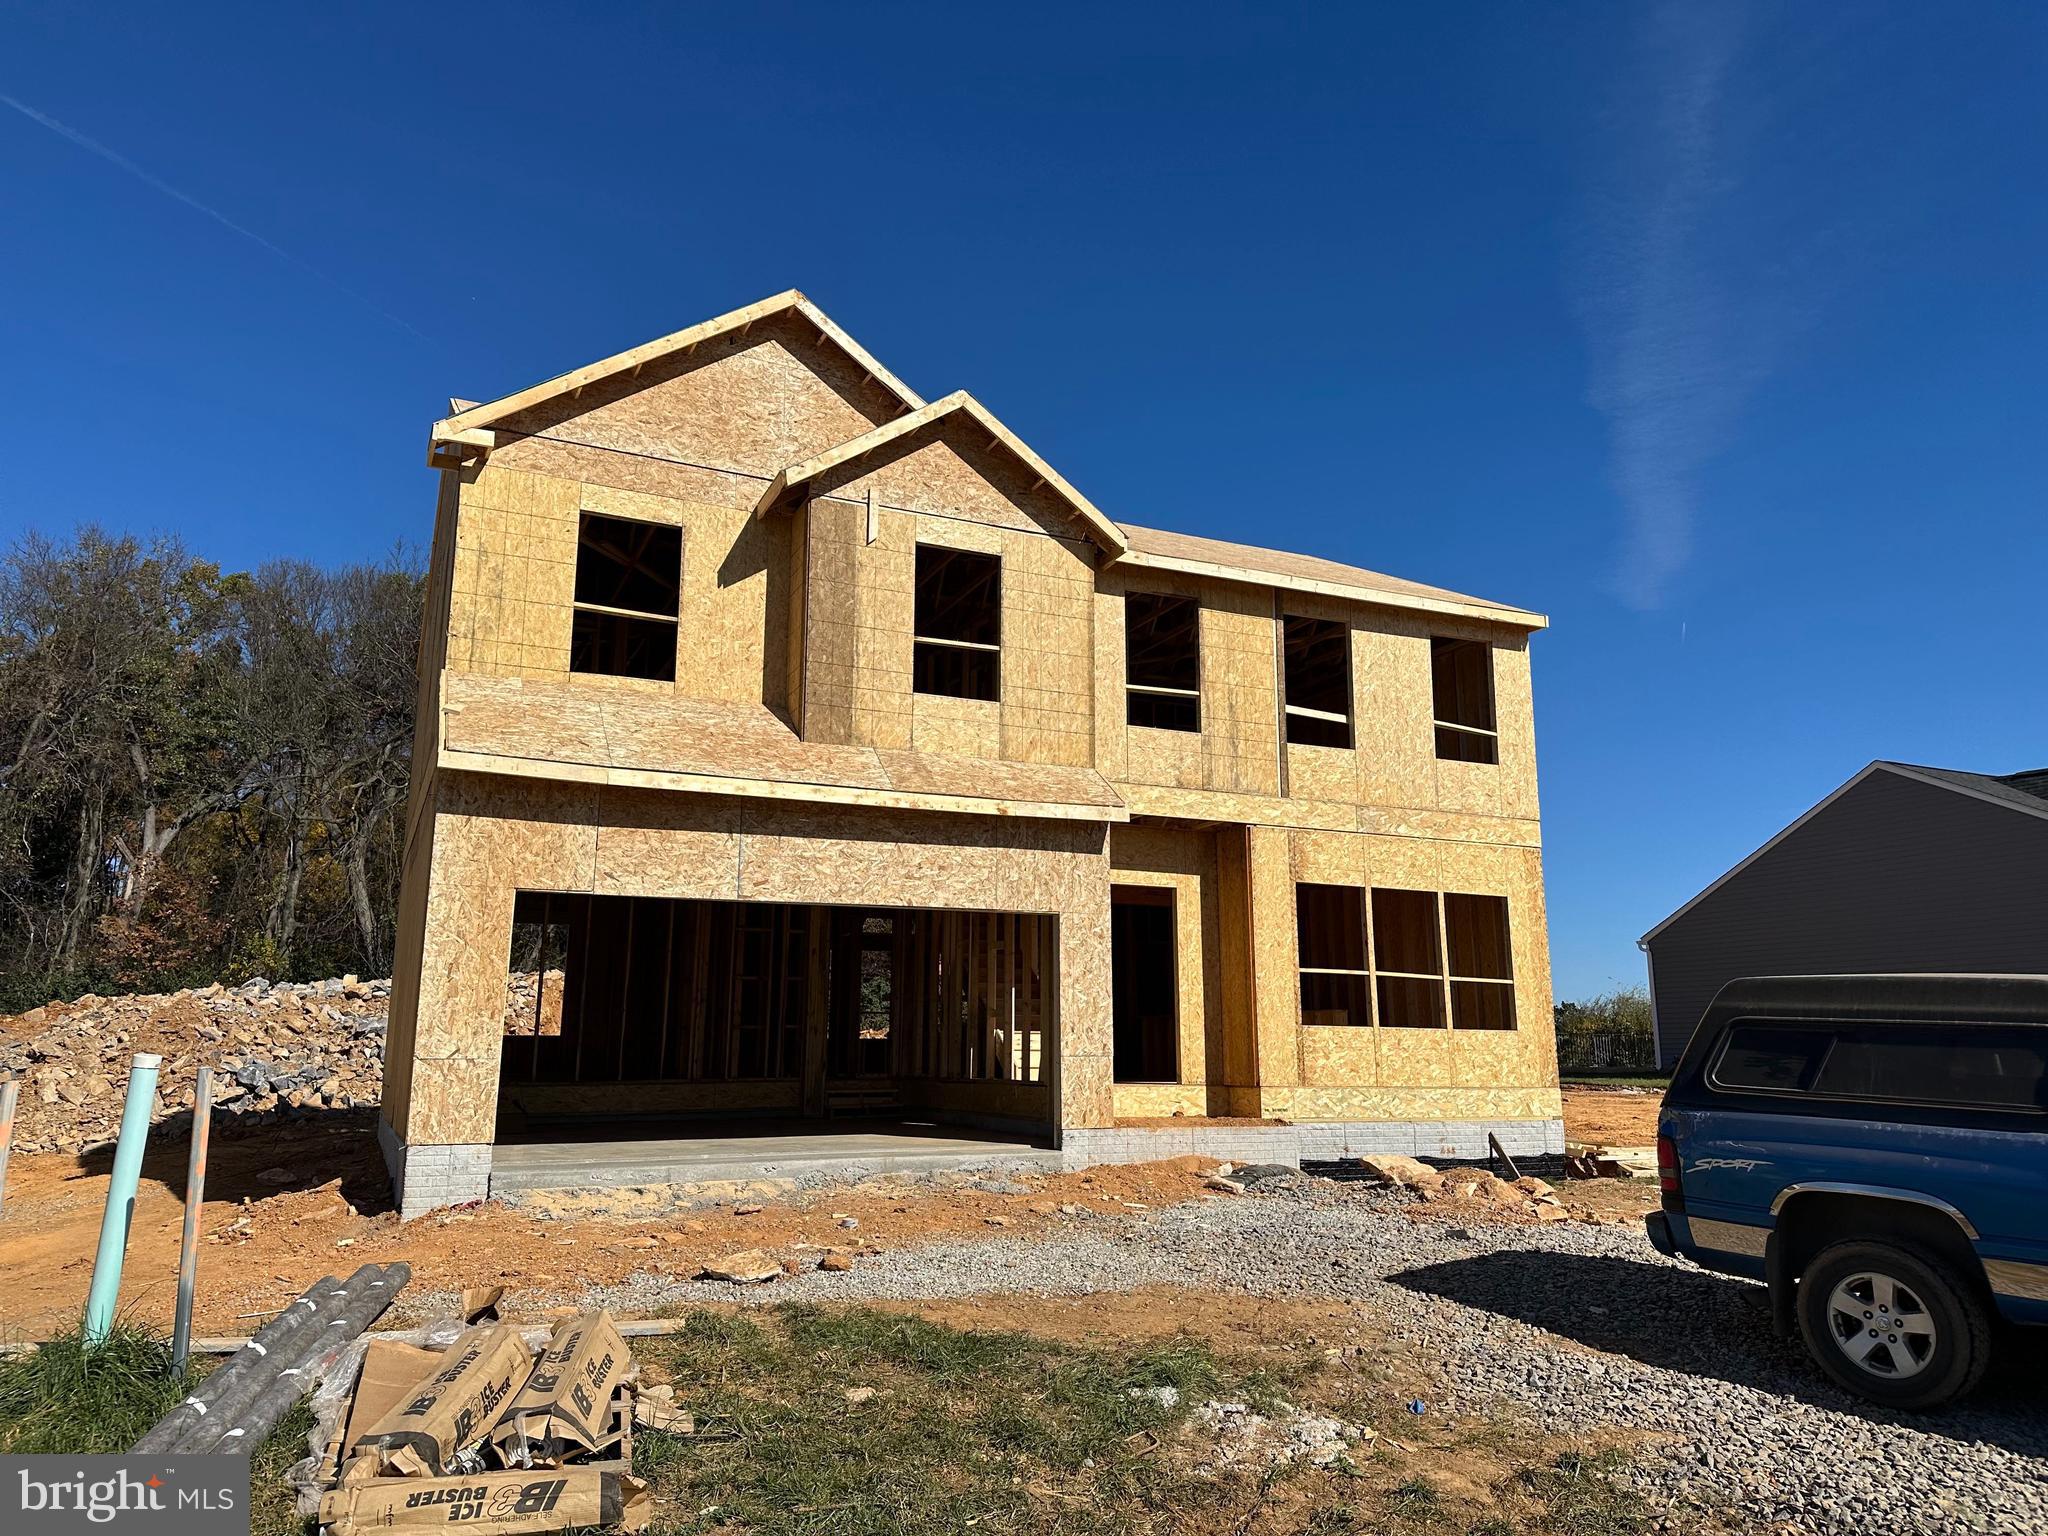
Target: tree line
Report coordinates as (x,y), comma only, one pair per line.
(202,772)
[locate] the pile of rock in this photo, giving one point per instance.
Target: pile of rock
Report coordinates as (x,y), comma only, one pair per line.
(282,1049)
(1527,1197)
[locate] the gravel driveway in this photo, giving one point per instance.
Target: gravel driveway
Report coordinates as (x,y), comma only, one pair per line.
(1668,1347)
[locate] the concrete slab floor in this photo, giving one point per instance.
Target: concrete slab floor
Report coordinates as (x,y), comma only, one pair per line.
(756,1149)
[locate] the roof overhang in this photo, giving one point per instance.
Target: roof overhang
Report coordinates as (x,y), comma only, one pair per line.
(1381,597)
(791,485)
(466,433)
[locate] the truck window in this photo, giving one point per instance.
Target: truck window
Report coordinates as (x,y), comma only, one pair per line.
(1765,1058)
(1970,1066)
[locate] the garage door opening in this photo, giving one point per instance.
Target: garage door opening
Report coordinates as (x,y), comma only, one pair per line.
(637,1017)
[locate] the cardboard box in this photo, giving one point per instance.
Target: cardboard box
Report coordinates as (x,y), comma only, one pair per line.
(503,1503)
(452,1409)
(564,1411)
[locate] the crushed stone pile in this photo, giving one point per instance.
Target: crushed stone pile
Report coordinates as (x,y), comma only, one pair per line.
(282,1049)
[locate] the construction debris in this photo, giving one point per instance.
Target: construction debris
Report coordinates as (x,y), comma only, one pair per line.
(236,1407)
(504,1503)
(423,1435)
(1588,1160)
(748,1268)
(1529,1197)
(279,1050)
(490,1426)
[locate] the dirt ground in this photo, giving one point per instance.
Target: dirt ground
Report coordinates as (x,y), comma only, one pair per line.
(288,1206)
(1612,1117)
(292,1203)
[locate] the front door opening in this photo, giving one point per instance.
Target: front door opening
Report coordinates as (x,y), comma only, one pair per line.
(1143,985)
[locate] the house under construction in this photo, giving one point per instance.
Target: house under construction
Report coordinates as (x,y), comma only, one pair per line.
(805,770)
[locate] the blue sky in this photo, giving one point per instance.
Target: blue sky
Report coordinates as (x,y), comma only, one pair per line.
(1717,332)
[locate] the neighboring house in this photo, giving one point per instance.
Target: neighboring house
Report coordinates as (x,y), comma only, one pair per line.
(791,747)
(1901,869)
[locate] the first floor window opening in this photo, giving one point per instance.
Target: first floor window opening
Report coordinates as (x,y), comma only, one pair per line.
(1336,985)
(1403,959)
(957,624)
(1482,967)
(1407,959)
(1316,672)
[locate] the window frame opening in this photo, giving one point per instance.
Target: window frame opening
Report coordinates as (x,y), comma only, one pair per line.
(1480,967)
(950,656)
(1315,725)
(1407,982)
(1327,937)
(1467,724)
(612,639)
(1349,938)
(1168,706)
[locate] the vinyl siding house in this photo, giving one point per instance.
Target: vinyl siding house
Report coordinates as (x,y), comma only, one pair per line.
(797,754)
(1903,868)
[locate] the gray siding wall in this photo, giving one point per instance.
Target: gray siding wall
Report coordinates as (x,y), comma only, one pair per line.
(1896,875)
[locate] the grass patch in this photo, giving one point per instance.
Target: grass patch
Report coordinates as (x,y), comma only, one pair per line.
(1584,1495)
(63,1399)
(965,1429)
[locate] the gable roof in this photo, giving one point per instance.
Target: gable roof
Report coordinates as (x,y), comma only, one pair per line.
(2026,792)
(789,485)
(1159,549)
(468,426)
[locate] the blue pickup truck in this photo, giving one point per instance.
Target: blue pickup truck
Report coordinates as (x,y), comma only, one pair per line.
(1874,1148)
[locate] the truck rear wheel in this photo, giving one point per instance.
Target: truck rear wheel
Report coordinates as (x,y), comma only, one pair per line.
(1893,1324)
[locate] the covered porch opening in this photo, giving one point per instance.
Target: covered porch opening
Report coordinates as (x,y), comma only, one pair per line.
(716,1026)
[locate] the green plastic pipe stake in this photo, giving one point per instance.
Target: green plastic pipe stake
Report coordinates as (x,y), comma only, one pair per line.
(106,1266)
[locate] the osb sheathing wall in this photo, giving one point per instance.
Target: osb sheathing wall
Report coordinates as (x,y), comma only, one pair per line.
(495,835)
(1326,1073)
(862,532)
(1390,771)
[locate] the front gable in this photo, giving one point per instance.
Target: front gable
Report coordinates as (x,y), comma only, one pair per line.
(748,392)
(950,459)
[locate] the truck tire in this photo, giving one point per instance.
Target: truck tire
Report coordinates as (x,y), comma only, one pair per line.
(1893,1323)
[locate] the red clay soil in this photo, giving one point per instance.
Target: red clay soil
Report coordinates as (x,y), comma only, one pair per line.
(292,1204)
(1612,1117)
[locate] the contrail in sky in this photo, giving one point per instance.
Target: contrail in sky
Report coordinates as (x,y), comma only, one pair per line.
(1678,342)
(114,157)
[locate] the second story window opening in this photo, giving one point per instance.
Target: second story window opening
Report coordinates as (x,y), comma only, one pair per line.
(1461,677)
(1163,661)
(1317,671)
(628,589)
(957,624)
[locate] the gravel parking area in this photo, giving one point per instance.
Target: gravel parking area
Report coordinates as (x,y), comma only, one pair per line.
(1576,1323)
